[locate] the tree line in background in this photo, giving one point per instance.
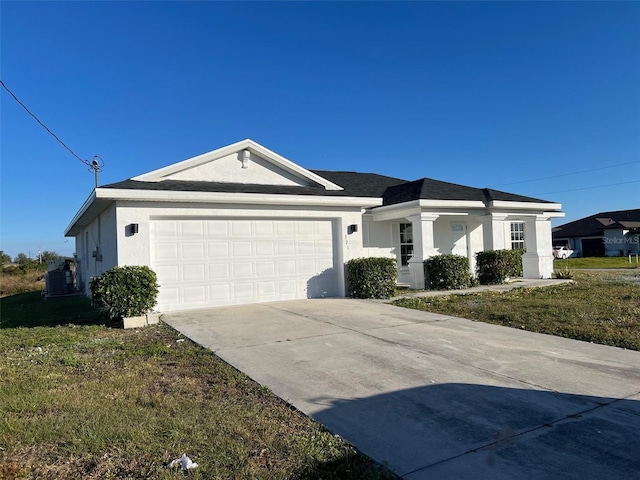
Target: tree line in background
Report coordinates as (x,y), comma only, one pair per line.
(26,262)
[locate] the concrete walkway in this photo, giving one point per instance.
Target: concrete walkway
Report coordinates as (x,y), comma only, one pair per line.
(518,283)
(438,397)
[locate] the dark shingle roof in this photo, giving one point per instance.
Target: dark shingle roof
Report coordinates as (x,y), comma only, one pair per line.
(360,184)
(195,186)
(391,190)
(595,225)
(429,189)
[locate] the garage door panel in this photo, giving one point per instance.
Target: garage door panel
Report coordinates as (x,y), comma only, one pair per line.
(192,228)
(266,289)
(241,249)
(264,229)
(265,269)
(217,249)
(305,228)
(264,248)
(193,273)
(287,267)
(217,228)
(306,247)
(219,271)
(285,228)
(165,251)
(220,293)
(169,273)
(243,290)
(286,247)
(194,294)
(211,262)
(241,228)
(193,251)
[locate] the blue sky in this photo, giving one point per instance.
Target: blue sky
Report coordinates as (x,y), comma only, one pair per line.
(487,94)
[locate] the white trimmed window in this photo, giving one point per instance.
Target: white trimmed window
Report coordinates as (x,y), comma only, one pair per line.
(406,243)
(517,235)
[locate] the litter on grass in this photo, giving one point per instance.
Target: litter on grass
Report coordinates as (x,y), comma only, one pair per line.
(184,462)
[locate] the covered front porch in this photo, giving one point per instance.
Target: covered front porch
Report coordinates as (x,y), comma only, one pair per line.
(414,233)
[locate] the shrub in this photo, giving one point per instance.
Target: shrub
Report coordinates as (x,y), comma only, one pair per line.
(495,266)
(125,291)
(373,277)
(447,272)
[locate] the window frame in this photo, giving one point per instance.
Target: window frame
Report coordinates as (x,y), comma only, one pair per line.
(517,235)
(406,243)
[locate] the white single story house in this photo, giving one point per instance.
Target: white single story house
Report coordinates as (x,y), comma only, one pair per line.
(243,224)
(610,234)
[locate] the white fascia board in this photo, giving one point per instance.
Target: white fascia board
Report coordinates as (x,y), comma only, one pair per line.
(247,144)
(524,205)
(85,206)
(236,198)
(441,207)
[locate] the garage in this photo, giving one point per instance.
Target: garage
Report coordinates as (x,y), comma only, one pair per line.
(220,261)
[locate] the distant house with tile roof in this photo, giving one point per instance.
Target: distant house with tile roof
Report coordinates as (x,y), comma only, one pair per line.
(606,233)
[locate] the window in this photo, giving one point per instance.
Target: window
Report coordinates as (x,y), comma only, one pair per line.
(517,236)
(406,243)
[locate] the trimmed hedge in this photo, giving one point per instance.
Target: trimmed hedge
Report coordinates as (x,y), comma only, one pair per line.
(447,272)
(495,266)
(127,291)
(373,277)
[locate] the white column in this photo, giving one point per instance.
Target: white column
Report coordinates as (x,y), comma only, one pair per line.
(537,262)
(423,246)
(493,231)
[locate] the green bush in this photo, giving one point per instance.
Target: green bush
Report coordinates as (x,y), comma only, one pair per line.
(372,277)
(495,266)
(447,272)
(125,291)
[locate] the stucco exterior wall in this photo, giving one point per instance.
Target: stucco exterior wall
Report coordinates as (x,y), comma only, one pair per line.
(96,248)
(229,169)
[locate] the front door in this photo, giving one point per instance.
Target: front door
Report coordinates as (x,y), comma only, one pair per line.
(459,239)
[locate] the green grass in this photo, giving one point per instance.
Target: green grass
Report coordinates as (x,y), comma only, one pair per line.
(599,307)
(84,401)
(596,262)
(33,310)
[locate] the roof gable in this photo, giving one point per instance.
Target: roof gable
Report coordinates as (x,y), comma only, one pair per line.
(243,163)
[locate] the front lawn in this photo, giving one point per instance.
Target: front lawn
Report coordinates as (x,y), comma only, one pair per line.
(598,307)
(596,262)
(83,401)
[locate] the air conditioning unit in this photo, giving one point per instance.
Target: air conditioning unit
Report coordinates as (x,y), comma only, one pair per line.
(59,282)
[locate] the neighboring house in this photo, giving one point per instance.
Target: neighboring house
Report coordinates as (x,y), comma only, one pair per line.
(607,233)
(242,224)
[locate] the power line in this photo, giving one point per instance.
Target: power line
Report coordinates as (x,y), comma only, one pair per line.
(86,162)
(566,174)
(589,188)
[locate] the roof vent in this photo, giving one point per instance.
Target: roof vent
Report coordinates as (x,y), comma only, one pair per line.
(245,158)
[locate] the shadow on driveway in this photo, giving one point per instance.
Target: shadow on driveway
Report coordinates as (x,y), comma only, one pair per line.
(461,431)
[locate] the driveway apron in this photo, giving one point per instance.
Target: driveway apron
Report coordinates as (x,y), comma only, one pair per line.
(434,396)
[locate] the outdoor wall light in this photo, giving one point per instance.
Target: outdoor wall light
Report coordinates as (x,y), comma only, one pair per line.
(133,228)
(352,229)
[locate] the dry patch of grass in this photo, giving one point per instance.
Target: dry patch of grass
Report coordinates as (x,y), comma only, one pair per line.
(598,307)
(90,402)
(21,282)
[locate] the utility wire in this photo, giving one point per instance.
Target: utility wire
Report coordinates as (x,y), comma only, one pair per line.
(86,162)
(589,188)
(565,174)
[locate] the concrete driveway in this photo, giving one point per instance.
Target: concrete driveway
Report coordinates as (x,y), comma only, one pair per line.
(438,397)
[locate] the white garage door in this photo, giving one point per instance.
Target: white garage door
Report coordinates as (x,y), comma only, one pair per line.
(215,262)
